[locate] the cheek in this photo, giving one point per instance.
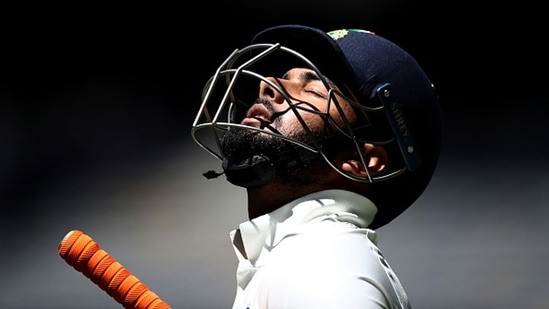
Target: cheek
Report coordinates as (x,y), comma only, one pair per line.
(289,124)
(348,112)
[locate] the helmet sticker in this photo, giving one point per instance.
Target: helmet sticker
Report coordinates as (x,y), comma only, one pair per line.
(338,34)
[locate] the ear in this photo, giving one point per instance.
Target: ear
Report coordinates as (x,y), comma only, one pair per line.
(375,157)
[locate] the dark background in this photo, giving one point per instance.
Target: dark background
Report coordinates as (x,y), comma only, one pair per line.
(96,105)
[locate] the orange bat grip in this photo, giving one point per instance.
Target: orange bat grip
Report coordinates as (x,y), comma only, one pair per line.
(86,256)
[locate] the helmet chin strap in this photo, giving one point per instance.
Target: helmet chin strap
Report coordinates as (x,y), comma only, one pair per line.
(250,172)
(255,170)
(259,169)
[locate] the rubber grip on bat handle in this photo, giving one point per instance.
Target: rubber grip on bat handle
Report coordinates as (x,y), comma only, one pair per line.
(86,256)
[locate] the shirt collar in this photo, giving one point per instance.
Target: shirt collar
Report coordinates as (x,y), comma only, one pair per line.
(264,232)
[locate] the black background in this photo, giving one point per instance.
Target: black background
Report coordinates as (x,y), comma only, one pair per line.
(85,90)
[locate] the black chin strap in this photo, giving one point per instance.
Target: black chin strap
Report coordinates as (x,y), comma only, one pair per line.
(258,170)
(254,171)
(211,174)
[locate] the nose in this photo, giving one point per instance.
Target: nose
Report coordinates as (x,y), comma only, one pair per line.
(266,91)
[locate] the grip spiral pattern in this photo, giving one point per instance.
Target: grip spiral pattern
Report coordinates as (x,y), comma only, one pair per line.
(86,256)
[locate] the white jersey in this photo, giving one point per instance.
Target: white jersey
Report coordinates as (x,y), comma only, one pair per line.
(315,252)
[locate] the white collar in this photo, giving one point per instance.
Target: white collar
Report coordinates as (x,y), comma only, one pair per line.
(264,232)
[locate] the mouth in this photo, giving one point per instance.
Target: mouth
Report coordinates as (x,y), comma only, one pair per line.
(257,116)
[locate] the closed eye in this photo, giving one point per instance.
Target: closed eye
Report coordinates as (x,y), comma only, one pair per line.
(316,93)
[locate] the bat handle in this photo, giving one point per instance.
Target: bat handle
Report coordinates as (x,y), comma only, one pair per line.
(86,256)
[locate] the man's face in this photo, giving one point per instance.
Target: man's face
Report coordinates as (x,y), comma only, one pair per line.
(309,99)
(311,109)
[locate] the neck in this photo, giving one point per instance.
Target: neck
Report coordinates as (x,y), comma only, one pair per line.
(281,191)
(267,198)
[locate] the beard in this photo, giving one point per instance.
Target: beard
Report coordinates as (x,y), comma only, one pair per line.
(293,164)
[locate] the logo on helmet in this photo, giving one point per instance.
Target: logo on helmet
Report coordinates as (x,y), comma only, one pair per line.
(399,119)
(338,34)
